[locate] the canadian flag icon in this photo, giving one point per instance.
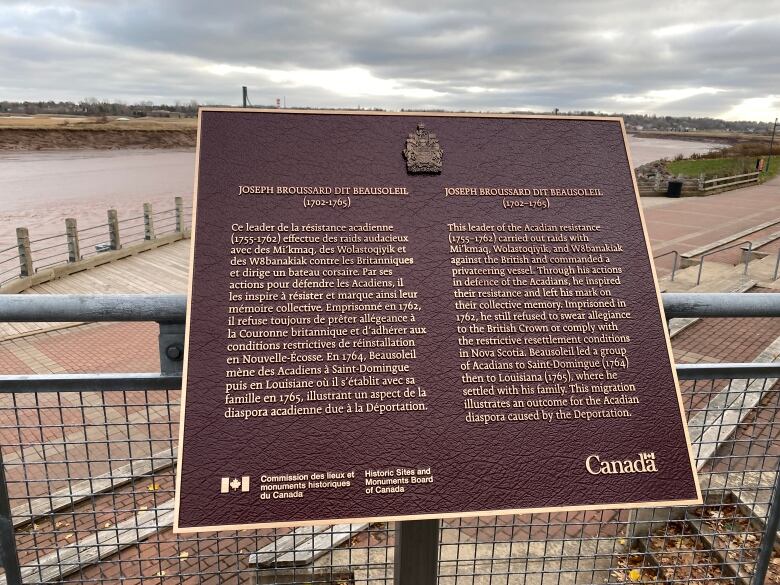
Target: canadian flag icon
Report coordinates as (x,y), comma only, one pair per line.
(234,484)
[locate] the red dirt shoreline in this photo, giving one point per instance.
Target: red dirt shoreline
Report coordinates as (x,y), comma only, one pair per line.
(24,139)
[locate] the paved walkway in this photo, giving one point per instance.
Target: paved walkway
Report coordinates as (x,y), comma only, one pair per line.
(689,222)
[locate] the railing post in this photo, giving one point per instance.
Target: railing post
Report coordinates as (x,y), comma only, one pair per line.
(179,203)
(8,554)
(72,235)
(777,264)
(701,266)
(171,344)
(113,230)
(148,222)
(416,552)
(25,254)
(701,181)
(768,541)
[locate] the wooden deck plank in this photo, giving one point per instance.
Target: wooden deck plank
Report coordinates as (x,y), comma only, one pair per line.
(138,273)
(135,280)
(113,277)
(148,273)
(170,269)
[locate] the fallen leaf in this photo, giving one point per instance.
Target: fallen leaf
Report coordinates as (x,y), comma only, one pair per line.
(153,487)
(160,574)
(107,525)
(184,554)
(634,575)
(69,536)
(143,508)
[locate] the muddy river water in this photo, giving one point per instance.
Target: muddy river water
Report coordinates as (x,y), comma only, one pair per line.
(38,190)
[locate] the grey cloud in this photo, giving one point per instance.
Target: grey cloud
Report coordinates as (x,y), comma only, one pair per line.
(571,55)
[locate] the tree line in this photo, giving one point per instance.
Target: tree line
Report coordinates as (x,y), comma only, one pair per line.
(95,107)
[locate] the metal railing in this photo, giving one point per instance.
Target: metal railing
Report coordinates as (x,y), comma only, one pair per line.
(75,245)
(746,257)
(674,264)
(87,468)
(687,259)
(777,266)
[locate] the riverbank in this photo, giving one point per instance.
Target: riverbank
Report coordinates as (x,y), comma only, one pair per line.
(33,140)
(35,133)
(646,150)
(43,133)
(721,138)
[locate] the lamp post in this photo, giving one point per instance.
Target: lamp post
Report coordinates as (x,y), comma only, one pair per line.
(771,143)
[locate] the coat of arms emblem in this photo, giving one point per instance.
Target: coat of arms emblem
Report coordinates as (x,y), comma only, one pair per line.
(423,153)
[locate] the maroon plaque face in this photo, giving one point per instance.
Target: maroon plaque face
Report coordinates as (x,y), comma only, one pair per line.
(421,315)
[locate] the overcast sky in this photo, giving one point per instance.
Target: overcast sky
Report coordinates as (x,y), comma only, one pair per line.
(698,58)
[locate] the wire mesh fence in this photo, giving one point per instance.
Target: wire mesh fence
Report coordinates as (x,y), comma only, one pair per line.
(90,478)
(90,482)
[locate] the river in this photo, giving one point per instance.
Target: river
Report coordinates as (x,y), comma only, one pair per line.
(645,150)
(38,190)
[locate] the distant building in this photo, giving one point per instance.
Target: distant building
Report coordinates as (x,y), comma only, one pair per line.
(165,114)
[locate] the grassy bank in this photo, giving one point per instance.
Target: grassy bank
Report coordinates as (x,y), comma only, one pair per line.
(95,123)
(721,167)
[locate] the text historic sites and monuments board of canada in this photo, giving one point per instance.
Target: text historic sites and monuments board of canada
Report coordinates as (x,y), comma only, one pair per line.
(397,316)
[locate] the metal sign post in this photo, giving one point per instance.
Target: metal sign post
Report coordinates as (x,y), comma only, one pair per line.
(416,552)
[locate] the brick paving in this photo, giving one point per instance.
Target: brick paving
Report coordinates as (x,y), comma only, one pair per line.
(12,364)
(725,340)
(104,347)
(95,347)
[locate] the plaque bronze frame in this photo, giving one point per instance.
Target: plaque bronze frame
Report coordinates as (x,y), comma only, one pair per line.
(416,555)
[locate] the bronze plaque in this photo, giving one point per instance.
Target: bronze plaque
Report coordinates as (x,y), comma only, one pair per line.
(378,332)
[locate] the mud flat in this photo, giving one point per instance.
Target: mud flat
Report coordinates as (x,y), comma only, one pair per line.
(31,133)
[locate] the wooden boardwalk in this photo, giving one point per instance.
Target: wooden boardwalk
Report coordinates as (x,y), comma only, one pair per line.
(158,271)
